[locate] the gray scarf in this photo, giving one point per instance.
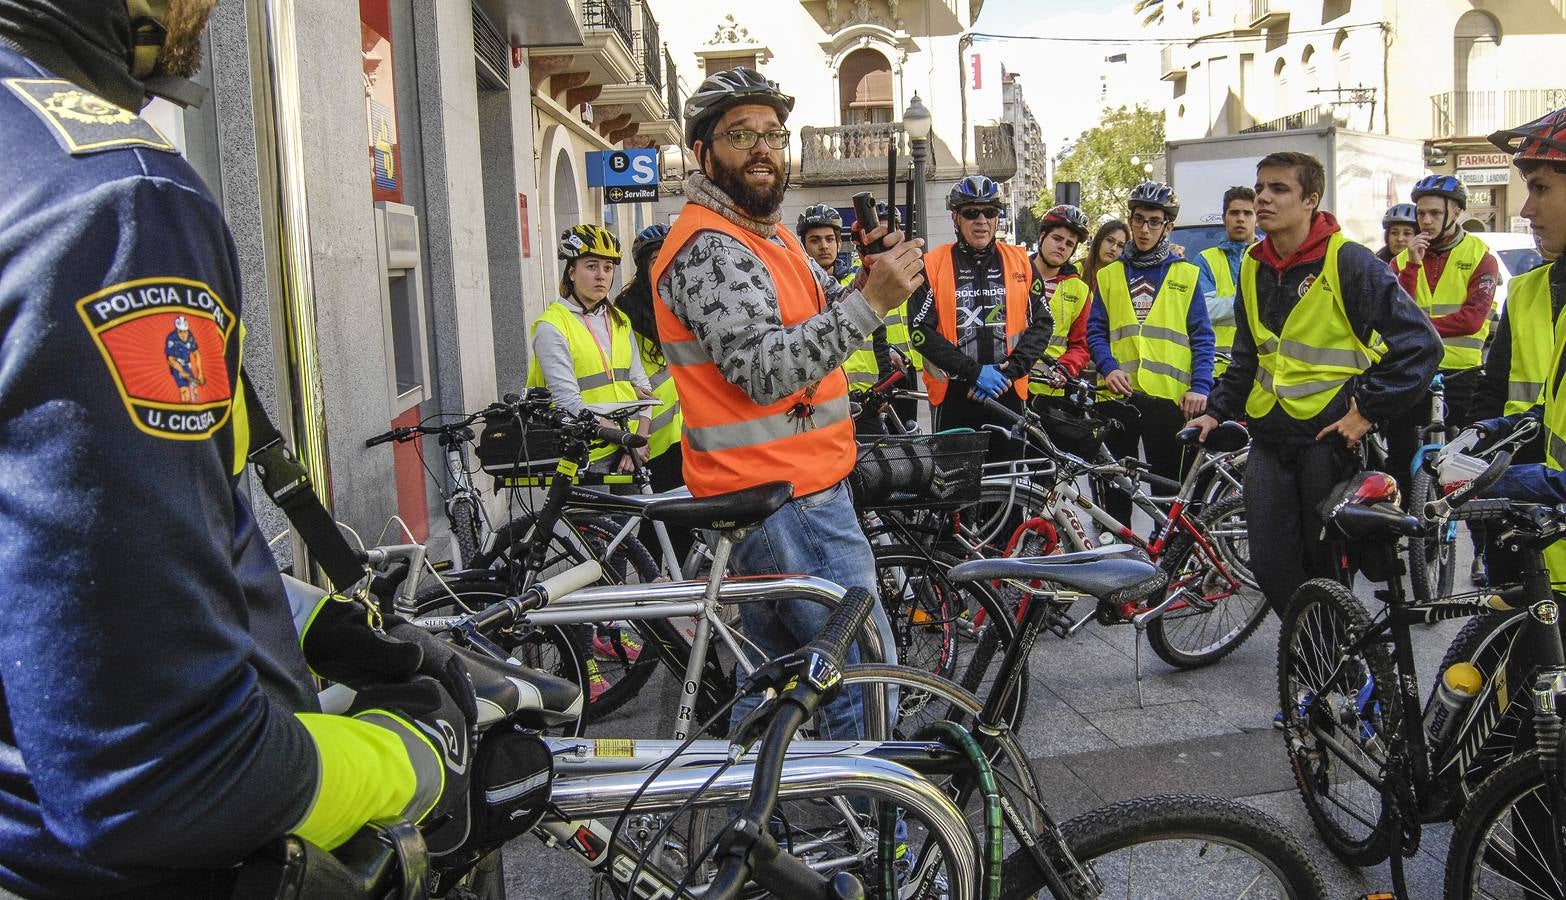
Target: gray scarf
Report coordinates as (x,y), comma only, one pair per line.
(700,190)
(1154,257)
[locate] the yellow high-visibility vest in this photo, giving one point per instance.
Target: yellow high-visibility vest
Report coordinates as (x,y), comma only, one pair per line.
(666,418)
(1528,318)
(1463,351)
(1318,352)
(1071,296)
(1223,281)
(1157,352)
(600,377)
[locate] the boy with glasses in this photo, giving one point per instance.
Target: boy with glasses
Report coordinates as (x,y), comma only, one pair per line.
(974,325)
(1150,337)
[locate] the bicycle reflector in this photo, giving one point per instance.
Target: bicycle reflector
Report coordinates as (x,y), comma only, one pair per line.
(1375,487)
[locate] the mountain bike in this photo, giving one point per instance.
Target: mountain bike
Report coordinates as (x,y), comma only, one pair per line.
(1370,767)
(463,501)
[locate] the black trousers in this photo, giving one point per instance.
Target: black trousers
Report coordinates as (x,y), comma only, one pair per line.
(1146,429)
(1403,432)
(1284,483)
(667,470)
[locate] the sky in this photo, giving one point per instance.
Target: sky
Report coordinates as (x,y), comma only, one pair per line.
(1061,80)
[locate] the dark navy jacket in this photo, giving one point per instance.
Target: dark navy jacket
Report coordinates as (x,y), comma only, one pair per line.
(149,668)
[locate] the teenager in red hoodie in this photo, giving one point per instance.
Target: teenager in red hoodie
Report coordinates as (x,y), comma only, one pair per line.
(1306,291)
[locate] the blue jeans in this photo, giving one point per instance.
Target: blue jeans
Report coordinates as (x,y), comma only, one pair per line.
(816,535)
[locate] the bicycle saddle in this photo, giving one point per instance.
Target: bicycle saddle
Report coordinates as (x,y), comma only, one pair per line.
(1375,522)
(1113,574)
(1226,438)
(600,500)
(723,512)
(537,699)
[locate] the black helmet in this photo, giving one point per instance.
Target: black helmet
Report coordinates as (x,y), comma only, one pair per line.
(973,189)
(818,216)
(723,90)
(647,240)
(1401,214)
(1441,186)
(1069,216)
(1156,194)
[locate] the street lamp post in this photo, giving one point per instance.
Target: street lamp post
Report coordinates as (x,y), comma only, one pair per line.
(917,123)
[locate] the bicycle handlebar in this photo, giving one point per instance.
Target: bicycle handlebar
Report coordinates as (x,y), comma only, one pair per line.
(503,613)
(1443,507)
(746,844)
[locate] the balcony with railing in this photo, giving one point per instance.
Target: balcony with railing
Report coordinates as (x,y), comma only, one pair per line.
(603,57)
(1268,12)
(650,49)
(856,154)
(609,15)
(1169,64)
(1313,117)
(1457,114)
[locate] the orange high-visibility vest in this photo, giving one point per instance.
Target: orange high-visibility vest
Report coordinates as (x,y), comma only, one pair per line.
(729,441)
(1016,271)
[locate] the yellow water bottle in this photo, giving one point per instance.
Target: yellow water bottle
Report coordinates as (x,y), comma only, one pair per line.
(1459,686)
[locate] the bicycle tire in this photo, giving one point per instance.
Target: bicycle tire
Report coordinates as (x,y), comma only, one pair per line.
(1483,641)
(989,521)
(1487,840)
(550,649)
(1432,562)
(1325,615)
(631,560)
(926,607)
(1235,846)
(1206,630)
(462,514)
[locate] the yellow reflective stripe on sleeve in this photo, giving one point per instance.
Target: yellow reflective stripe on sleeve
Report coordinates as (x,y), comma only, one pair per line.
(365,773)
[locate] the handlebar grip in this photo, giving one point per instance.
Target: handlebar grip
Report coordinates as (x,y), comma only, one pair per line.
(379,439)
(1496,510)
(842,626)
(504,612)
(886,384)
(623,438)
(996,408)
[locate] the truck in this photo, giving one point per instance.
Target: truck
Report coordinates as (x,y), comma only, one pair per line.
(1366,173)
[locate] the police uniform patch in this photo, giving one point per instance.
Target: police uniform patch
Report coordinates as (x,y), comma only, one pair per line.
(83,122)
(164,341)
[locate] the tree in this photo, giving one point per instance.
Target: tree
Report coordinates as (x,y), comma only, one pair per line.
(1100,159)
(1026,227)
(1151,11)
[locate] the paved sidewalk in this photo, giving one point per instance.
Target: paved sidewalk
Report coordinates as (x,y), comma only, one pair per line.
(1206,731)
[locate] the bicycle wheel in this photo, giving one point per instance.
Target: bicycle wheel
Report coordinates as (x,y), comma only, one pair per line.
(1432,562)
(550,649)
(1486,642)
(985,525)
(1507,842)
(1349,709)
(1219,606)
(955,630)
(462,512)
(621,657)
(1181,846)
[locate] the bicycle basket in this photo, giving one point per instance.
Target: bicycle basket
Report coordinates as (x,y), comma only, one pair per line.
(508,449)
(941,470)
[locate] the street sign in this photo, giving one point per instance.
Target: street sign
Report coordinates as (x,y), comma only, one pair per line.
(630,194)
(622,168)
(1483,160)
(1483,177)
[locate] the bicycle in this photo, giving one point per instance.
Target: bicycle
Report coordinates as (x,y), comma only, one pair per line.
(1432,563)
(463,502)
(1369,773)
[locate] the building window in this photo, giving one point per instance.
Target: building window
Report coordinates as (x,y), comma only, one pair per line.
(714,64)
(1280,78)
(1340,50)
(1476,56)
(1308,63)
(865,88)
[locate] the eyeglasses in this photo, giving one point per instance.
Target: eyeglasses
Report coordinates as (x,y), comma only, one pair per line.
(1114,244)
(973,212)
(1140,222)
(744,138)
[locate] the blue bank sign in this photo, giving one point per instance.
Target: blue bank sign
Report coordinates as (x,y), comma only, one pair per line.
(627,176)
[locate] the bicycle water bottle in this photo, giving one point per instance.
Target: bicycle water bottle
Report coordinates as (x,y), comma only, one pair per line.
(1458,687)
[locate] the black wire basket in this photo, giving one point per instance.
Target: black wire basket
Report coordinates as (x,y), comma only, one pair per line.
(927,471)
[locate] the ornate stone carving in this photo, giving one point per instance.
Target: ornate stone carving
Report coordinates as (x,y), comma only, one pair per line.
(731,32)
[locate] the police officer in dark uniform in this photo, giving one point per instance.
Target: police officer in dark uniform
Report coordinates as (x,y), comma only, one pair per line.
(157,715)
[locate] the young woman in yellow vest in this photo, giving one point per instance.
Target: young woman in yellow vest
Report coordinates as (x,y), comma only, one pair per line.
(1532,300)
(583,349)
(974,325)
(1308,374)
(1220,269)
(1058,287)
(1150,339)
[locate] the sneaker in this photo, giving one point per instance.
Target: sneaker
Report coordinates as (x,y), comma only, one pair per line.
(604,644)
(596,682)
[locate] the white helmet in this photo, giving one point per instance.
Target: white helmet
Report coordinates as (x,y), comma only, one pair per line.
(181,323)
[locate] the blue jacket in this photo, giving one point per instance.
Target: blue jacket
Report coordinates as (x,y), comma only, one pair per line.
(1198,328)
(148,658)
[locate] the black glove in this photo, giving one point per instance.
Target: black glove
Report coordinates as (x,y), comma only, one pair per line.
(421,706)
(441,663)
(341,644)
